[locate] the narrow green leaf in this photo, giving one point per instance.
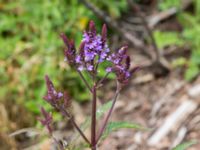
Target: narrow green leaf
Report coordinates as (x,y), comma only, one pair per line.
(185,145)
(103,109)
(113,126)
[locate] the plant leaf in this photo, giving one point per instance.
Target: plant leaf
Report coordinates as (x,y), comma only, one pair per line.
(164,39)
(113,126)
(185,145)
(191,72)
(167,4)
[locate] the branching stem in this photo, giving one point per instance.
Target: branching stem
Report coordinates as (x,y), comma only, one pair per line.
(66,114)
(84,80)
(108,115)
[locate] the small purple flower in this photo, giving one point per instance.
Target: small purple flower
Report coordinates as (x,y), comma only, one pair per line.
(103,55)
(90,67)
(89,56)
(109,69)
(81,68)
(59,95)
(78,59)
(86,37)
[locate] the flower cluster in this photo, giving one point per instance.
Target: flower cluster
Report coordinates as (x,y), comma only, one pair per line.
(121,65)
(94,50)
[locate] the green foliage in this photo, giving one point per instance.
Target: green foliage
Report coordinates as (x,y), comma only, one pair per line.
(29,38)
(166,4)
(184,145)
(190,34)
(113,126)
(112,7)
(164,39)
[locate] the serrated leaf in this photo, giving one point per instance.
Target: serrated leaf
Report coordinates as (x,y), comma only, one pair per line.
(113,126)
(185,145)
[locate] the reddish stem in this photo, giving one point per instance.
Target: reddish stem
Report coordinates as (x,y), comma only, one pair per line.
(108,115)
(66,114)
(84,80)
(93,122)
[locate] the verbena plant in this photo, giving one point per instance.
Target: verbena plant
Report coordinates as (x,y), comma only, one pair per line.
(93,52)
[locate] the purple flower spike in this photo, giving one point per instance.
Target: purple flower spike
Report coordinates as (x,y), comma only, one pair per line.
(65,39)
(93,49)
(92,27)
(81,49)
(70,50)
(47,120)
(104,33)
(52,95)
(127,63)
